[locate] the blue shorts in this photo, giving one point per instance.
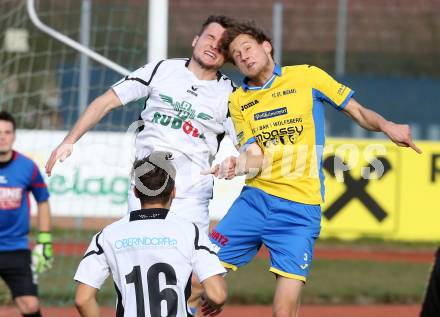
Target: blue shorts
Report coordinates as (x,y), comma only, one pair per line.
(287,228)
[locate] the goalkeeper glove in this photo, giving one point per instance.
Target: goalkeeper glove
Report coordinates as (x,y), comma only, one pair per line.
(42,254)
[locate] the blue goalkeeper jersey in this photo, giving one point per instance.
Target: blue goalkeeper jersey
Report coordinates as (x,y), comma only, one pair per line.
(18,178)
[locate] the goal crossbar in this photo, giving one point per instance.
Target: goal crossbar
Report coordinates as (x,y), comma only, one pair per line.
(70,42)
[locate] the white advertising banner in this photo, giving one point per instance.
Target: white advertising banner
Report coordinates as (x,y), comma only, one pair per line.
(94,180)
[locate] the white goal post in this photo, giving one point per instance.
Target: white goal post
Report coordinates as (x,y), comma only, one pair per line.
(158,18)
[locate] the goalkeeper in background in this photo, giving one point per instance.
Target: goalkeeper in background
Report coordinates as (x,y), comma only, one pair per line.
(19,176)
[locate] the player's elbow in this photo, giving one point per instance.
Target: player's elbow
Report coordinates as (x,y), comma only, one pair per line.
(217,296)
(216,290)
(111,100)
(81,303)
(105,103)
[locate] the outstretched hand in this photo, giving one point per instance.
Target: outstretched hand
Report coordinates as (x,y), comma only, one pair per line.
(225,169)
(400,134)
(60,153)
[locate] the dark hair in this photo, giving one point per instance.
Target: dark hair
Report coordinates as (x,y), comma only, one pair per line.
(223,20)
(154,177)
(6,116)
(247,27)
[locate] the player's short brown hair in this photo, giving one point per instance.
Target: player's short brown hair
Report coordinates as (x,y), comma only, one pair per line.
(154,177)
(247,27)
(223,20)
(6,116)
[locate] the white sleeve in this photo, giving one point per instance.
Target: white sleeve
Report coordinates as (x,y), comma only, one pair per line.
(136,85)
(93,268)
(205,262)
(228,125)
(230,130)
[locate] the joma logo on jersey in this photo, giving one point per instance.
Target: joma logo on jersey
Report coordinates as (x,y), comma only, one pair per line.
(270,114)
(249,104)
(177,123)
(10,197)
(219,237)
(184,109)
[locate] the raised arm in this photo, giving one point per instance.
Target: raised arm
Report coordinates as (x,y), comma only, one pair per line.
(89,118)
(400,134)
(92,115)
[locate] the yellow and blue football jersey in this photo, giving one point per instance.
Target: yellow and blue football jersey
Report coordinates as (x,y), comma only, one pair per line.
(286,118)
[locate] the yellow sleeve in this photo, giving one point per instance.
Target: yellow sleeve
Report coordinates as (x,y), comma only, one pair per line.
(242,128)
(327,88)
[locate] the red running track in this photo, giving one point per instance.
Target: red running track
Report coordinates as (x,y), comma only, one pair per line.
(330,253)
(262,311)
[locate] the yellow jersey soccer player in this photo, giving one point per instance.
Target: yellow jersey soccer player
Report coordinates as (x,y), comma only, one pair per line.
(290,114)
(278,114)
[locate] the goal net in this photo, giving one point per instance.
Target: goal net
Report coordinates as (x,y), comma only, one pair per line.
(42,84)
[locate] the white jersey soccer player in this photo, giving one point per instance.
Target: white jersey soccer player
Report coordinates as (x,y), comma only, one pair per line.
(185,112)
(185,116)
(150,255)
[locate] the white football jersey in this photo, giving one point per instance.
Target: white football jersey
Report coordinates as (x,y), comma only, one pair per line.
(182,115)
(150,255)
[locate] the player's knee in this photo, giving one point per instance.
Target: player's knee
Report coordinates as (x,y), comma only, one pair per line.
(286,309)
(27,304)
